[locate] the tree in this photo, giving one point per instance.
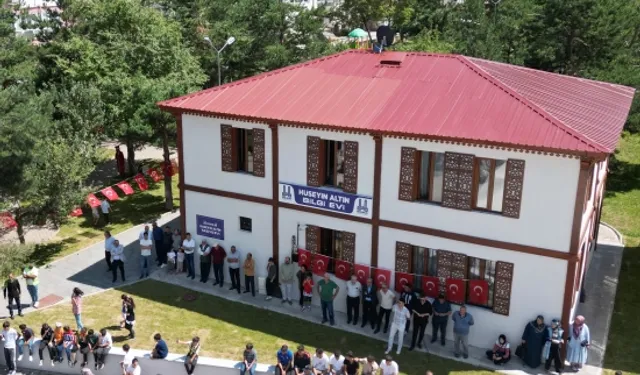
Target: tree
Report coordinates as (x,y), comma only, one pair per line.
(13,257)
(426,41)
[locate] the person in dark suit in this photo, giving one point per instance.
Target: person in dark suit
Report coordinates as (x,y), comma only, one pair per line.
(369,303)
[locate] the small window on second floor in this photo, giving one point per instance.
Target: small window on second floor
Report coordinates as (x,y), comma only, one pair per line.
(489,175)
(430,176)
(244,149)
(334,164)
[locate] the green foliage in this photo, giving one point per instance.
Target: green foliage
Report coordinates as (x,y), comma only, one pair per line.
(426,41)
(13,257)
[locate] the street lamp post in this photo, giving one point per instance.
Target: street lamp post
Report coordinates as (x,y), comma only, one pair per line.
(229,42)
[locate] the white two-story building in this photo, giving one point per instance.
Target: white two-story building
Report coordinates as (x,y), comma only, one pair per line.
(479,179)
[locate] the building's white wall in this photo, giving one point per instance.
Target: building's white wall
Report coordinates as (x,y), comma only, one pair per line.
(548,198)
(530,294)
(289,220)
(293,155)
(258,242)
(203,160)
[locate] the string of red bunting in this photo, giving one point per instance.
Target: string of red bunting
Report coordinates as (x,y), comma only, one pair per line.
(110,193)
(455,289)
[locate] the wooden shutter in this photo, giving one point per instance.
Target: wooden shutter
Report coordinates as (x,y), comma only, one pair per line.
(444,264)
(403,257)
(258,152)
(314,160)
(513,183)
(312,242)
(348,246)
(228,147)
(408,190)
(502,288)
(458,266)
(458,181)
(350,167)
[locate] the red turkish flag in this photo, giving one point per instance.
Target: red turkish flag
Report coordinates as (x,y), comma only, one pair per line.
(431,286)
(125,187)
(93,201)
(381,276)
(7,221)
(110,193)
(142,182)
(304,258)
(402,279)
(343,269)
(76,212)
(455,290)
(362,272)
(478,292)
(155,175)
(167,169)
(320,264)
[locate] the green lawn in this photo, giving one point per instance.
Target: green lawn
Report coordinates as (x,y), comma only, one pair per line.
(225,327)
(622,210)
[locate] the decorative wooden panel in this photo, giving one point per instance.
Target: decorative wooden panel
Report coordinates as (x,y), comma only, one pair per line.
(513,184)
(403,257)
(408,189)
(348,246)
(350,167)
(458,181)
(458,266)
(312,243)
(258,152)
(444,264)
(502,288)
(314,146)
(227,148)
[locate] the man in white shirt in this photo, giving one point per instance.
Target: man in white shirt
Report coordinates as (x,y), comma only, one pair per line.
(128,356)
(30,274)
(204,253)
(320,363)
(145,230)
(145,254)
(9,336)
(133,369)
(354,289)
(400,317)
(233,260)
(108,246)
(105,341)
(189,246)
(106,210)
(389,366)
(387,298)
(117,260)
(336,361)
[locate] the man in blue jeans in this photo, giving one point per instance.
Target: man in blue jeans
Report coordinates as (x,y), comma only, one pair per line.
(158,240)
(328,290)
(249,360)
(285,361)
(441,313)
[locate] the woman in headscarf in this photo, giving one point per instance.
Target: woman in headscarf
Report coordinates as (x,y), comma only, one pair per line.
(501,352)
(579,341)
(533,338)
(553,345)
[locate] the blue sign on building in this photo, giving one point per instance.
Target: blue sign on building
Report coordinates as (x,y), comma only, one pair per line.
(326,199)
(210,227)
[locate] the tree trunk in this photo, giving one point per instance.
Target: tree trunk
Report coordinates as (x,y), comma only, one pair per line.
(20,228)
(168,191)
(131,158)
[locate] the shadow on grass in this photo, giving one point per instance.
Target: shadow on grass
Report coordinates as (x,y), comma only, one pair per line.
(286,328)
(623,177)
(623,351)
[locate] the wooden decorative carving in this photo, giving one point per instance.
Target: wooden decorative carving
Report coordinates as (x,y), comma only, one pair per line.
(226,147)
(350,167)
(348,246)
(403,257)
(408,182)
(458,266)
(513,185)
(458,181)
(258,152)
(444,264)
(502,288)
(313,161)
(312,243)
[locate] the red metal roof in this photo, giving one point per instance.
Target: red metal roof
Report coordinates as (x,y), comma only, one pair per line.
(441,96)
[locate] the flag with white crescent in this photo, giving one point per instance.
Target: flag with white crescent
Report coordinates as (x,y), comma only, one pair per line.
(381,276)
(304,258)
(431,286)
(343,269)
(125,187)
(155,175)
(110,193)
(92,200)
(362,272)
(455,290)
(142,182)
(402,279)
(167,169)
(478,292)
(320,264)
(76,212)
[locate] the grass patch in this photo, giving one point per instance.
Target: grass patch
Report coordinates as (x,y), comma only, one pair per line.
(622,210)
(225,327)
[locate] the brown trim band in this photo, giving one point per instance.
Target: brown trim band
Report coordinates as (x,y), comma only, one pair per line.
(578,208)
(377,177)
(183,208)
(568,299)
(229,194)
(275,219)
(324,213)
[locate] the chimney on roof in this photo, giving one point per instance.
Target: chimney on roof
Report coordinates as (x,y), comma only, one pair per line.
(392,58)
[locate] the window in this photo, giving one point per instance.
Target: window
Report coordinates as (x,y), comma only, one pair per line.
(481,269)
(431,176)
(334,164)
(488,181)
(331,243)
(245,224)
(424,262)
(245,149)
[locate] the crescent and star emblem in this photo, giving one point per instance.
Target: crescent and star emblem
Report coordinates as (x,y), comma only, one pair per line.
(303,258)
(382,278)
(476,288)
(454,288)
(430,285)
(320,263)
(341,268)
(361,273)
(404,281)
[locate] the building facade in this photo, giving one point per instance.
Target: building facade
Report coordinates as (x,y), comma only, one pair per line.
(504,228)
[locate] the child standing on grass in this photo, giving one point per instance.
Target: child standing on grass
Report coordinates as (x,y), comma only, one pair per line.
(307,292)
(180,260)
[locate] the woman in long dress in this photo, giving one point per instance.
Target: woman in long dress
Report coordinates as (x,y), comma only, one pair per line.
(579,341)
(534,337)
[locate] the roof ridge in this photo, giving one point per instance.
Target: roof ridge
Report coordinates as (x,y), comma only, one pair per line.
(534,107)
